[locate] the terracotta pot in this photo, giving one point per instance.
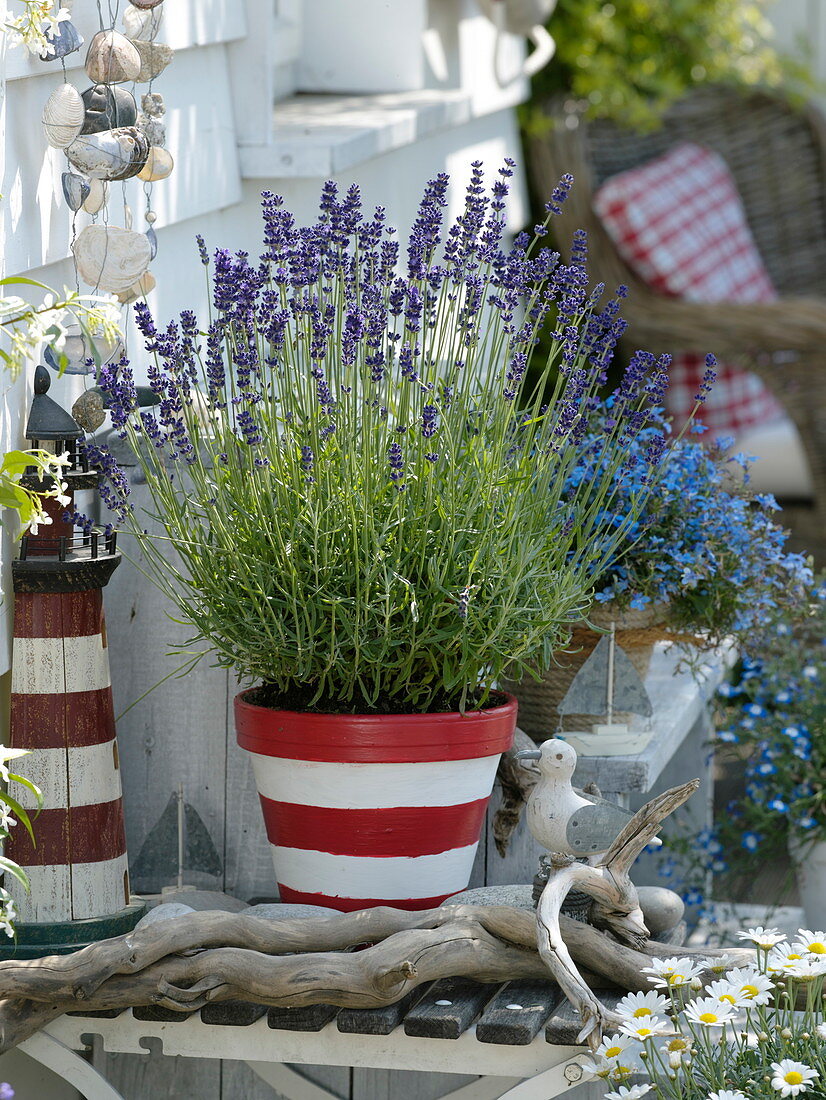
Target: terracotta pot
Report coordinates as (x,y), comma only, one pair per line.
(365,810)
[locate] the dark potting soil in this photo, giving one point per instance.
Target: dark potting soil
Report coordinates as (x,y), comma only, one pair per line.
(298,698)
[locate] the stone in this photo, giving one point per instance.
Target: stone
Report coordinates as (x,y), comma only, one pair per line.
(108,107)
(138,291)
(153,129)
(112,59)
(162,912)
(89,412)
(78,347)
(111,154)
(155,57)
(63,116)
(145,5)
(662,909)
(152,104)
(76,190)
(152,237)
(158,165)
(517,895)
(142,24)
(66,41)
(111,258)
(98,194)
(288,911)
(201,900)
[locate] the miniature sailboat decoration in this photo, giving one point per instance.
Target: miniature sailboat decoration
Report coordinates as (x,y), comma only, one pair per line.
(606,683)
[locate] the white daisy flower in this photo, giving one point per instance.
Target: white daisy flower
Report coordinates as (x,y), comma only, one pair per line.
(790,1078)
(813,942)
(725,992)
(753,986)
(708,1012)
(762,937)
(647,1028)
(632,1093)
(636,1005)
(612,1058)
(671,973)
(677,1050)
(821,1031)
(783,960)
(721,963)
(727,1094)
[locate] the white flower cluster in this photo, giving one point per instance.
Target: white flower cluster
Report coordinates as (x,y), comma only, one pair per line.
(742,1036)
(35,25)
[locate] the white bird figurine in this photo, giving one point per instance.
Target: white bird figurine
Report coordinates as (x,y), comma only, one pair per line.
(561,817)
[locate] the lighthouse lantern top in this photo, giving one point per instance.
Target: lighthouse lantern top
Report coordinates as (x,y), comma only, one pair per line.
(47,421)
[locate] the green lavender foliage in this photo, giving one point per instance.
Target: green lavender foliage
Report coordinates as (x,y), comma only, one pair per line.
(366,506)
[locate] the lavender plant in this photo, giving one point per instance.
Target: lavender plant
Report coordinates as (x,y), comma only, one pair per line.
(365,501)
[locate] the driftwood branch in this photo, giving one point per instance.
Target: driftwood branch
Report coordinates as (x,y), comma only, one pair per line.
(517,778)
(190,961)
(617,905)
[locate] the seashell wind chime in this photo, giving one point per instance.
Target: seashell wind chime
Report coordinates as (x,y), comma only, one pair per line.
(106,139)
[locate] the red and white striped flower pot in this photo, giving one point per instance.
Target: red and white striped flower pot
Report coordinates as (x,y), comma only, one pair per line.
(365,810)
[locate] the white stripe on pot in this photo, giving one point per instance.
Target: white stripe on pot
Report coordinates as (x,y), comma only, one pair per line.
(50,666)
(372,786)
(98,888)
(393,877)
(90,771)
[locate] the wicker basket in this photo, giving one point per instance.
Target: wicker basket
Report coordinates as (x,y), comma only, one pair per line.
(637,632)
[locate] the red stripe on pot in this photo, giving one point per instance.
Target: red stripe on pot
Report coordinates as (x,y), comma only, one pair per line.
(82,834)
(55,721)
(389,831)
(376,738)
(350,905)
(58,614)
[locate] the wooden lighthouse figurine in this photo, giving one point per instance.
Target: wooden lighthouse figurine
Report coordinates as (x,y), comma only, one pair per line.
(61,711)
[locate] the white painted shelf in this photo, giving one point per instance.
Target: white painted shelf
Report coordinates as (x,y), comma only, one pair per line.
(316,136)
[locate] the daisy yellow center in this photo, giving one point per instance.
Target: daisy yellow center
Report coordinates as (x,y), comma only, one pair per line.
(708,1017)
(622,1071)
(642,1011)
(794,956)
(748,991)
(817,948)
(644,1031)
(728,997)
(675,979)
(793,1077)
(678,1044)
(612,1052)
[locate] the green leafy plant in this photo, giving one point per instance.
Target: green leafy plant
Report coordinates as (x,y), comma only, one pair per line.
(366,508)
(629,60)
(11,814)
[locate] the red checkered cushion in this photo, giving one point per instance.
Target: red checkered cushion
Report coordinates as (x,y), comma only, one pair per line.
(678,222)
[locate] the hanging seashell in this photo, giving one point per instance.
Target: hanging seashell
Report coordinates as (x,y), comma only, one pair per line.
(88,410)
(158,166)
(152,104)
(138,290)
(111,258)
(127,215)
(153,128)
(110,155)
(152,237)
(155,57)
(145,5)
(67,39)
(112,59)
(63,116)
(76,190)
(108,108)
(142,24)
(98,194)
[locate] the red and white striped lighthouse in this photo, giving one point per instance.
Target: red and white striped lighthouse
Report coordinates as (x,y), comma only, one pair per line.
(61,711)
